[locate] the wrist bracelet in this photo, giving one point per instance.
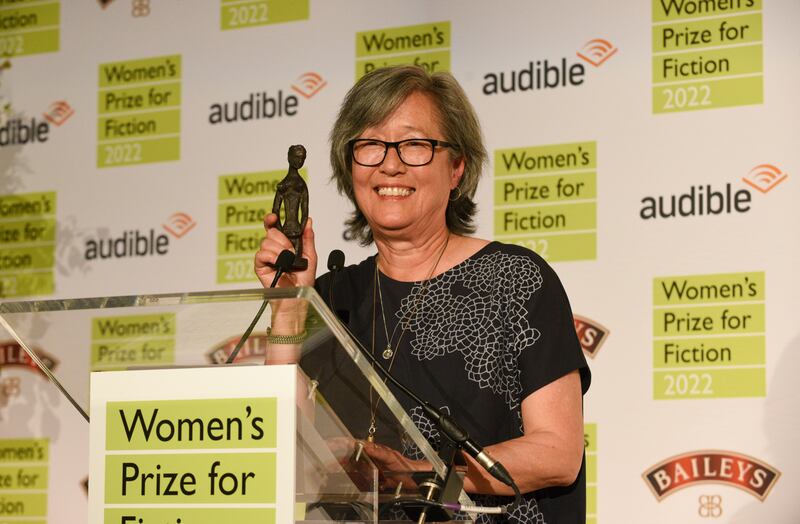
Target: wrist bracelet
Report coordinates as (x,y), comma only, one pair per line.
(285,339)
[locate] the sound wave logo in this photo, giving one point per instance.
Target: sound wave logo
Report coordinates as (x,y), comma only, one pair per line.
(309,84)
(58,112)
(597,51)
(764,177)
(179,224)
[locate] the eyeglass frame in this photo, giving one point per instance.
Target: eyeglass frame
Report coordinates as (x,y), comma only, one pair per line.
(396,145)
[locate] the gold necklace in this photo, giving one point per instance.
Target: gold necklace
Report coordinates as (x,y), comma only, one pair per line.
(389,353)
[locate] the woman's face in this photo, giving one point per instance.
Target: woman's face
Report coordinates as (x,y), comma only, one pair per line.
(401,201)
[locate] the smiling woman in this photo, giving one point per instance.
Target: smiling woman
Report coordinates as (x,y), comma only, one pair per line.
(482,330)
(399,200)
(379,95)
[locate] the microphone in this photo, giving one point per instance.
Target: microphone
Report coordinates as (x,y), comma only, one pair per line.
(336,261)
(445,422)
(335,264)
(458,435)
(451,429)
(282,264)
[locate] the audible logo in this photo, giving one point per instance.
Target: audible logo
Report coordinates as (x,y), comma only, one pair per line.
(266,105)
(239,14)
(545,198)
(58,112)
(139,107)
(131,243)
(179,224)
(719,467)
(137,243)
(29,29)
(309,84)
(124,341)
(18,131)
(25,472)
(27,244)
(597,51)
(706,54)
(541,74)
(425,45)
(697,201)
(764,177)
(244,200)
(709,336)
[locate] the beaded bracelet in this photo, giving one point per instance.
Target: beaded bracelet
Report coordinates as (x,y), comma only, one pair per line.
(285,339)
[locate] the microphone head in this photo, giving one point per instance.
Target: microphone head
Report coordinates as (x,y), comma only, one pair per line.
(336,260)
(285,260)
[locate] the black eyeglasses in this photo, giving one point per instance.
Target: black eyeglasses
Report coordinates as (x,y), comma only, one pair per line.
(413,152)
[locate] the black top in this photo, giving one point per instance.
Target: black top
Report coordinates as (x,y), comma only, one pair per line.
(475,340)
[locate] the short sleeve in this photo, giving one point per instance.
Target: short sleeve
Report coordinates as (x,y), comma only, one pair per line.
(555,350)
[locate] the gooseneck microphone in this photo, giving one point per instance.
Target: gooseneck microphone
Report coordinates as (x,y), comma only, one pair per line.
(446,423)
(451,429)
(335,264)
(282,264)
(336,260)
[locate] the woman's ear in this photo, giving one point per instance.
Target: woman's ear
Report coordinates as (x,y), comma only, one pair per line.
(458,171)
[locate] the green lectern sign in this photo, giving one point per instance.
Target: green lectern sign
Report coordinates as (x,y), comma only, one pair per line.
(193,446)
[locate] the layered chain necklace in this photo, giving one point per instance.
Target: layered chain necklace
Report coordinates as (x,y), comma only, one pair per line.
(390,351)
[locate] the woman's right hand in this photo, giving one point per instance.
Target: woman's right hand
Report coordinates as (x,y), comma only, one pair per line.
(274,242)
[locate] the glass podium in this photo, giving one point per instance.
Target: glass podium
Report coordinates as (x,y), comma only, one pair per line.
(44,420)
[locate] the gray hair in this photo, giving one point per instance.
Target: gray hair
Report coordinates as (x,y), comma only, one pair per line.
(376,96)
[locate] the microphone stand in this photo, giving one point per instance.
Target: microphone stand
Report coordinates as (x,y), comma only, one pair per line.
(455,438)
(283,264)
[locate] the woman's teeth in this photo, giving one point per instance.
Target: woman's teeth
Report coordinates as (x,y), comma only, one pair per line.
(395,191)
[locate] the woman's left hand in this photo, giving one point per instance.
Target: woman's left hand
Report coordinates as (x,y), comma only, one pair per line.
(389,461)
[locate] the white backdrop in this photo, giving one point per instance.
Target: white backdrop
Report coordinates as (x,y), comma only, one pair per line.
(725,123)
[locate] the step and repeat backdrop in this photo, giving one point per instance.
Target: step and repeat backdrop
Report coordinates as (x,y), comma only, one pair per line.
(649,150)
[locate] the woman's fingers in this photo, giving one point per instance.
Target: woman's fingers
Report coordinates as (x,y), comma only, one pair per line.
(274,243)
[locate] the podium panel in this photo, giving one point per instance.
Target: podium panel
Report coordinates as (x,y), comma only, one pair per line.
(159,380)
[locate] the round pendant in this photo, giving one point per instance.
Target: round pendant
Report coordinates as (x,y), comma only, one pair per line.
(387,353)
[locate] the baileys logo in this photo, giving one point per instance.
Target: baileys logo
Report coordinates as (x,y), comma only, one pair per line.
(12,354)
(254,346)
(591,334)
(719,467)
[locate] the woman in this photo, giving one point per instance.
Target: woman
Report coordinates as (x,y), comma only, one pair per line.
(479,328)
